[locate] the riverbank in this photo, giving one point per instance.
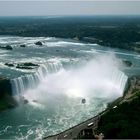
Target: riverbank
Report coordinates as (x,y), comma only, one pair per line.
(97,125)
(123,120)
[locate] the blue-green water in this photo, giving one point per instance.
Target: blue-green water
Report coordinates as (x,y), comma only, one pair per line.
(69,71)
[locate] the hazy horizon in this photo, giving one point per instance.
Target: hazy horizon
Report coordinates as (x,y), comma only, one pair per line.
(69,8)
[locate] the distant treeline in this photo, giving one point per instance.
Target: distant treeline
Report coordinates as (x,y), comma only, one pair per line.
(120,31)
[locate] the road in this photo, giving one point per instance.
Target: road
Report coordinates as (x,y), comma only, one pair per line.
(74,131)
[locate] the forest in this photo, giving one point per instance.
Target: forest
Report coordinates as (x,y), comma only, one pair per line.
(111,31)
(123,121)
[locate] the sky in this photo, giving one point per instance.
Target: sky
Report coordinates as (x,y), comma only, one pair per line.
(79,7)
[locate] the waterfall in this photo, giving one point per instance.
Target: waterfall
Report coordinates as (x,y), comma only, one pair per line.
(112,78)
(30,81)
(119,79)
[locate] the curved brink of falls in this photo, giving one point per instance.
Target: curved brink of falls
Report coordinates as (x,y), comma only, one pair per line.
(112,80)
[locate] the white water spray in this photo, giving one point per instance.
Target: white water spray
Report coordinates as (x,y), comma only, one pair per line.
(30,81)
(98,78)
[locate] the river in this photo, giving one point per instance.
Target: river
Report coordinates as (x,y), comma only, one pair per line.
(68,72)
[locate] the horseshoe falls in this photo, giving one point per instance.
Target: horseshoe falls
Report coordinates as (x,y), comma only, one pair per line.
(112,79)
(65,72)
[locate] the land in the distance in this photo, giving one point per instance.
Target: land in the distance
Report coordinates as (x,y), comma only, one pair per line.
(112,31)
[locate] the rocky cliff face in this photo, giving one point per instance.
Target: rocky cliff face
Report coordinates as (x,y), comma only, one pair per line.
(5,87)
(6,99)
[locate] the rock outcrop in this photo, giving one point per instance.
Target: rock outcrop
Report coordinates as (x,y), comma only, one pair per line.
(127,63)
(23,45)
(8,47)
(39,43)
(9,64)
(27,65)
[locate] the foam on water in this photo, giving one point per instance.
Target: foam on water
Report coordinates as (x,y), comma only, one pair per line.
(94,79)
(62,44)
(55,91)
